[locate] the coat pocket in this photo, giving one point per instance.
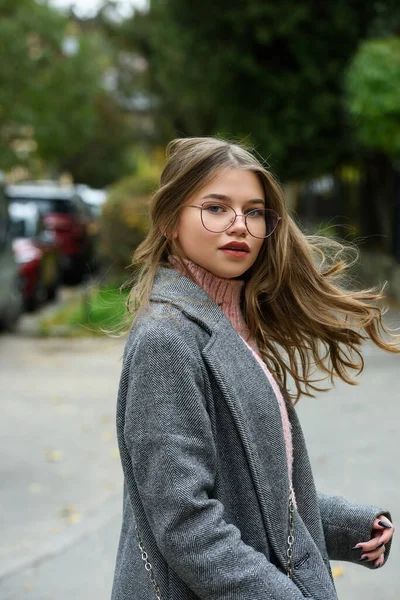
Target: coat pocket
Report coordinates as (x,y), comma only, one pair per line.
(302,561)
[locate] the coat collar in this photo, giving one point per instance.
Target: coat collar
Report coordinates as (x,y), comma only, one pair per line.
(248,394)
(177,289)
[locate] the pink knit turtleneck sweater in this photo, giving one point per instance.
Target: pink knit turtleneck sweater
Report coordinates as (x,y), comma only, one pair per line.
(226,293)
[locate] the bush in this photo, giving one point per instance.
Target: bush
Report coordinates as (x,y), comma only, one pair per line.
(96,312)
(125,219)
(373,94)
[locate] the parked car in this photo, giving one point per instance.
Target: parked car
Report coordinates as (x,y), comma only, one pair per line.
(10,283)
(37,254)
(66,214)
(93,198)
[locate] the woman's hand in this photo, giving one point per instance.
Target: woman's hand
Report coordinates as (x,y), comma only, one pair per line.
(374,549)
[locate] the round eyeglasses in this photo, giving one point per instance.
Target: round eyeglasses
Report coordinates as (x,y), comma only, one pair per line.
(216,217)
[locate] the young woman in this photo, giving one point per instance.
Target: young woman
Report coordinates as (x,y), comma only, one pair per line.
(235,311)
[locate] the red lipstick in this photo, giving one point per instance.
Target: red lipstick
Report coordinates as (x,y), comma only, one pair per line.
(236,249)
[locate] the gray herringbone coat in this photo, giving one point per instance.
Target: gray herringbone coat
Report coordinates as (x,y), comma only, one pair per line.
(204,461)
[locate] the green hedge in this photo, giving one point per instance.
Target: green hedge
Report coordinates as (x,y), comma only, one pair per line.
(125,218)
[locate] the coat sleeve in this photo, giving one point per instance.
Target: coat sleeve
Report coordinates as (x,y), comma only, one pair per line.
(346,524)
(169,439)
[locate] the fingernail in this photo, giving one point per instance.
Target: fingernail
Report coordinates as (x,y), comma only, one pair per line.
(383,524)
(363,558)
(380,546)
(356,548)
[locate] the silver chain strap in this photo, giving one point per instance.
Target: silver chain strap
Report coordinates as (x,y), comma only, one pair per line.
(148,566)
(289,551)
(290,540)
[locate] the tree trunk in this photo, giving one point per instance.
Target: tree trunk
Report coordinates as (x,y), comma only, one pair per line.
(377,202)
(396,215)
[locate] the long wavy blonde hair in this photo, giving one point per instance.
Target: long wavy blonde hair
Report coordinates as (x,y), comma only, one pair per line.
(308,324)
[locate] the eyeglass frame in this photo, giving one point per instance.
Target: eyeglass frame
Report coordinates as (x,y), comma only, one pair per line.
(234,220)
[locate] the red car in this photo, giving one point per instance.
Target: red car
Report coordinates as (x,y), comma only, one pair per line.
(36,253)
(67,216)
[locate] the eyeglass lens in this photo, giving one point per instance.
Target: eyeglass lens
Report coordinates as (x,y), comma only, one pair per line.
(261,222)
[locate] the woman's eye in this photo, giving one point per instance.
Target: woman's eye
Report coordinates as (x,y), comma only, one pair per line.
(256,213)
(215,208)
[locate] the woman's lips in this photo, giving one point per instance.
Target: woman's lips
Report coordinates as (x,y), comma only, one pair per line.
(235,253)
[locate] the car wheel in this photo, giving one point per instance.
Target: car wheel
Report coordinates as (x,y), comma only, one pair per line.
(73,277)
(75,273)
(11,318)
(38,297)
(52,293)
(54,288)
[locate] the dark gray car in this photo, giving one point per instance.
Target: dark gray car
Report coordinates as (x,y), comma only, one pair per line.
(10,283)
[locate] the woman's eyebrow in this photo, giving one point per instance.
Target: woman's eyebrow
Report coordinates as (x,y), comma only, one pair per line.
(228,198)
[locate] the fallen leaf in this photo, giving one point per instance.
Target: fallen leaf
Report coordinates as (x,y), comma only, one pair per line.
(35,488)
(106,436)
(69,514)
(28,587)
(337,572)
(114,453)
(106,418)
(53,455)
(74,518)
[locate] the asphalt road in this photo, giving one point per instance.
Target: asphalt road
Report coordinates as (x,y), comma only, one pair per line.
(60,485)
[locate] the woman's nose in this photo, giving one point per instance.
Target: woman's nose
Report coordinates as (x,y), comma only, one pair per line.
(239,225)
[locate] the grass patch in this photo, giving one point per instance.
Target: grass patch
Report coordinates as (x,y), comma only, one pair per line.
(96,311)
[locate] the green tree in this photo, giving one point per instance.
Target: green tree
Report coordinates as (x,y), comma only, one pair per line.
(266,71)
(54,107)
(63,98)
(21,30)
(373,102)
(47,90)
(373,94)
(107,155)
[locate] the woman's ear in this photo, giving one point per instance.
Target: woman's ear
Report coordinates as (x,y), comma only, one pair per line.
(168,235)
(169,229)
(174,244)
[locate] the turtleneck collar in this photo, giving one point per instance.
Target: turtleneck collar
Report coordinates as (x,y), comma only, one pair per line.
(224,292)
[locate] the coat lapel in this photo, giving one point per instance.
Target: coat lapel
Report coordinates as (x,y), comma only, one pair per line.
(256,414)
(248,395)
